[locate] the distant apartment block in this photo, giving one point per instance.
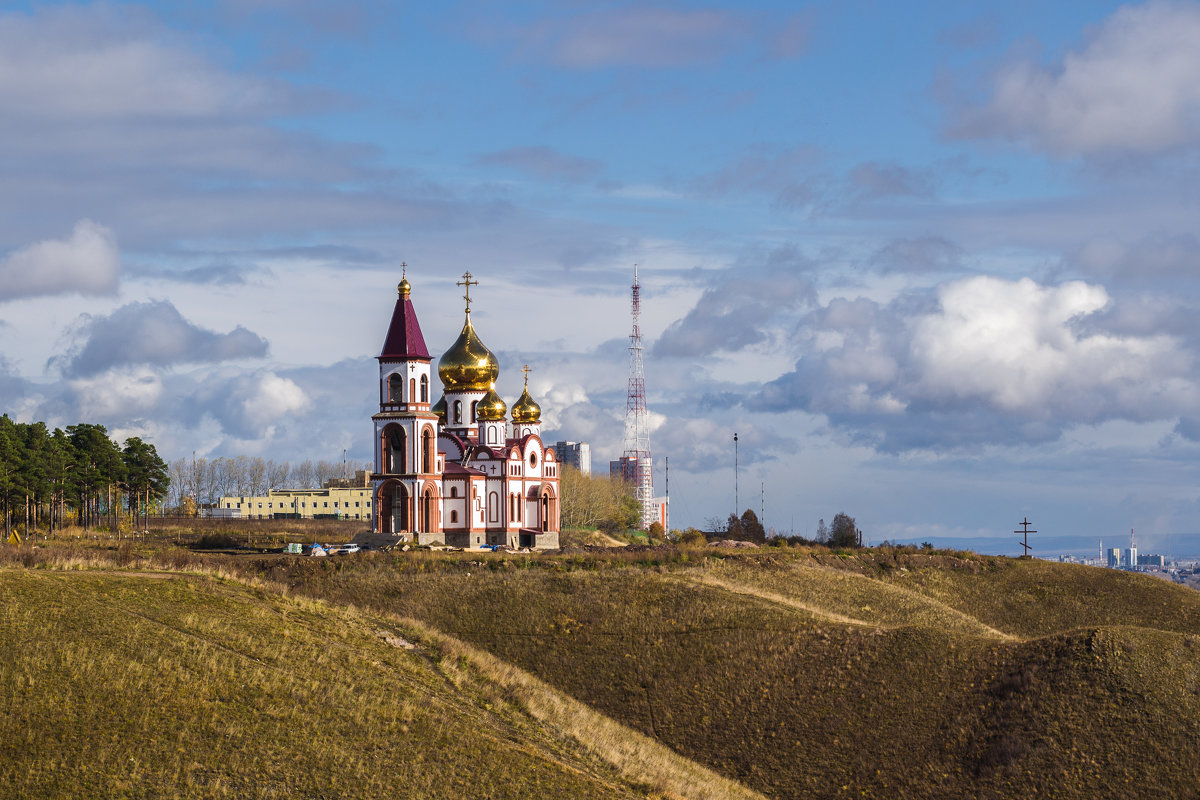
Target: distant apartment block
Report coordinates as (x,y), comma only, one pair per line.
(1114,557)
(339,499)
(576,454)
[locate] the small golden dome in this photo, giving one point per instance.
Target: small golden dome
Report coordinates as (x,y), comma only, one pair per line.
(404,287)
(525,411)
(439,408)
(491,408)
(468,366)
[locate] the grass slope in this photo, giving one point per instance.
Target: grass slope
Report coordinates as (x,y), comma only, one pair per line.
(120,684)
(880,675)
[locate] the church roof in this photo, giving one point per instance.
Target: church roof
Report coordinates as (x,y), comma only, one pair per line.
(404,339)
(458,469)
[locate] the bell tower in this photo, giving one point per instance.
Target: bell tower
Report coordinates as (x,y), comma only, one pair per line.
(407,474)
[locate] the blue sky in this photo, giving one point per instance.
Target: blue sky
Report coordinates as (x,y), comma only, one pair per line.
(934,262)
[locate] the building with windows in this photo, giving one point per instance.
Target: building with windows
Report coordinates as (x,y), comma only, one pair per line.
(328,503)
(461,471)
(575,454)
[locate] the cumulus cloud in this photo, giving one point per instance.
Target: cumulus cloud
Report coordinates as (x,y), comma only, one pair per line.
(87,262)
(735,315)
(1134,87)
(544,163)
(118,394)
(985,360)
(153,333)
(254,403)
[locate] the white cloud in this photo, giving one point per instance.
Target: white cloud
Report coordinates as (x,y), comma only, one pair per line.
(1014,346)
(117,394)
(264,399)
(1133,87)
(87,262)
(986,360)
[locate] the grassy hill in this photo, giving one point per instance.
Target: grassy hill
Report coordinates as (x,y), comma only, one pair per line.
(879,674)
(151,684)
(790,673)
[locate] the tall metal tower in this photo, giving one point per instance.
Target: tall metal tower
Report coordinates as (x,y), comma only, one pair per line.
(636,462)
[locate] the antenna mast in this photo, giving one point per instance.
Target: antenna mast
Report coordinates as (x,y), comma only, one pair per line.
(636,462)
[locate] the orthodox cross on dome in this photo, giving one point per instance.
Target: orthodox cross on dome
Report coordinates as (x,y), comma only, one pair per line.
(525,369)
(468,283)
(403,270)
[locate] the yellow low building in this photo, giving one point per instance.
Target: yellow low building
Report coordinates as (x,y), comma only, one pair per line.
(340,503)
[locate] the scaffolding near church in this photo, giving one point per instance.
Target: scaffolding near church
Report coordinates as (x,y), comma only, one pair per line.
(637,465)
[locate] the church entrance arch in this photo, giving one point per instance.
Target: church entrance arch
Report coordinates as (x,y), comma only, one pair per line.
(394,508)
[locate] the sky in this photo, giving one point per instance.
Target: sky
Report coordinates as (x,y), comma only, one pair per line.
(935,263)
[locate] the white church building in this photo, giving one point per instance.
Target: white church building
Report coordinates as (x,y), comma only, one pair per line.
(458,471)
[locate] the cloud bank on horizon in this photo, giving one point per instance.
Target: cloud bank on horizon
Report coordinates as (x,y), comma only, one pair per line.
(936,266)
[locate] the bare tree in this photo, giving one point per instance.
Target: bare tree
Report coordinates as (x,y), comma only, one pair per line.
(278,475)
(304,475)
(256,476)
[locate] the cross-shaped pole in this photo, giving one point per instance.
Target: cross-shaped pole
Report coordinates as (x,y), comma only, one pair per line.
(1025,523)
(525,369)
(403,269)
(468,283)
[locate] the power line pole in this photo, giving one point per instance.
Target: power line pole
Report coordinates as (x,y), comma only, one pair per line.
(735,475)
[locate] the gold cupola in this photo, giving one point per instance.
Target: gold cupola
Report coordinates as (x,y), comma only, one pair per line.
(491,408)
(468,366)
(525,411)
(439,408)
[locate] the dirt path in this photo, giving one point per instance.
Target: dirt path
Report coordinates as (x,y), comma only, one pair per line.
(825,614)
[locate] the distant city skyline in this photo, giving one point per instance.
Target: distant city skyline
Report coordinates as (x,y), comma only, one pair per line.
(936,263)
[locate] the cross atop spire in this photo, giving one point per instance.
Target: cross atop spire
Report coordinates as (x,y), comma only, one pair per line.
(468,283)
(403,269)
(525,369)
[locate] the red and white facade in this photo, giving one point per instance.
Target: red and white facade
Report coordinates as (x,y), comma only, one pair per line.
(456,472)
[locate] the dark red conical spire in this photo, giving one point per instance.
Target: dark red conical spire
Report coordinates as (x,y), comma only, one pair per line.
(404,339)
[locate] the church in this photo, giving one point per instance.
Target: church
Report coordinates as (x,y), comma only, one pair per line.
(461,471)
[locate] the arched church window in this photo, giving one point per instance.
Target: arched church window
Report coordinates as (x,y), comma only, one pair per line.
(427,451)
(424,388)
(473,417)
(454,516)
(454,491)
(458,411)
(412,389)
(395,388)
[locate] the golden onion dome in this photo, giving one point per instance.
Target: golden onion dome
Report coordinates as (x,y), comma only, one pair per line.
(439,408)
(525,411)
(468,366)
(491,408)
(404,287)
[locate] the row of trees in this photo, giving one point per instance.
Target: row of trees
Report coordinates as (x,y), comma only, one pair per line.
(205,480)
(595,501)
(48,478)
(843,532)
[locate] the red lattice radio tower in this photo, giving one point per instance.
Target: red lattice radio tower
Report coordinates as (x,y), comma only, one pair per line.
(636,462)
